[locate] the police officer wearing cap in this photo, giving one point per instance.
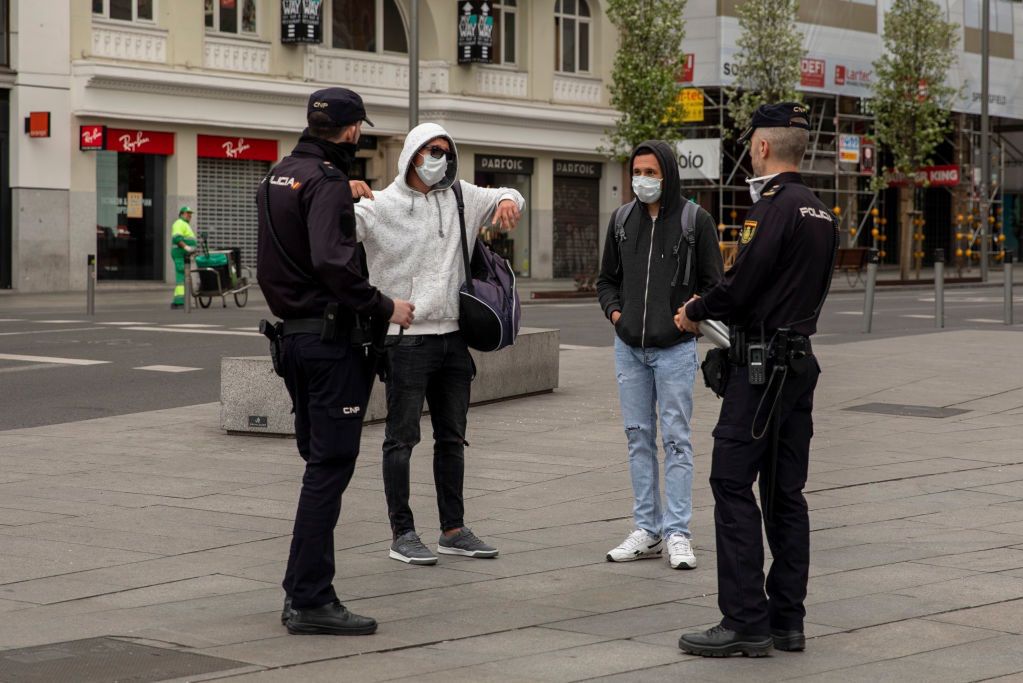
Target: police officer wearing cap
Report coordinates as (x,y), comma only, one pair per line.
(771,298)
(314,279)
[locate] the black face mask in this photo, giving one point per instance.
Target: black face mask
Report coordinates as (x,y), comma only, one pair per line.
(341,154)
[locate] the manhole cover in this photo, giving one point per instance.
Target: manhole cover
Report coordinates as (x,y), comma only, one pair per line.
(907,410)
(104,660)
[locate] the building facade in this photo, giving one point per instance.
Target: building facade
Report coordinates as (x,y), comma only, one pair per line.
(155,104)
(842,38)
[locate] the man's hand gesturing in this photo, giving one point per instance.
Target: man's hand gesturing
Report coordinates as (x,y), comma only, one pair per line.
(507,215)
(360,189)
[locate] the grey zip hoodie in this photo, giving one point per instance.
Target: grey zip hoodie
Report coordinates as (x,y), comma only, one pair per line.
(413,248)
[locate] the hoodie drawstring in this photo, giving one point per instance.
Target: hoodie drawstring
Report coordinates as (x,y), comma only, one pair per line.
(440,217)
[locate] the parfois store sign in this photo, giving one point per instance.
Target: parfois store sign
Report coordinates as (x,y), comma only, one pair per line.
(242,149)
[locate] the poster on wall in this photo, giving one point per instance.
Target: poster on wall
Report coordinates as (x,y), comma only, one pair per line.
(849,149)
(475,32)
(301,21)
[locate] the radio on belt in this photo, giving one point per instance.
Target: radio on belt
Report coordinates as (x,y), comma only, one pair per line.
(757,359)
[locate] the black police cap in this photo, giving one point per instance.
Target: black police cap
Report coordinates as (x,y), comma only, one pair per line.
(343,106)
(782,115)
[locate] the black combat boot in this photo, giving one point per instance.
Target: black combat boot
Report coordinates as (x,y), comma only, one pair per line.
(332,619)
(722,642)
(789,641)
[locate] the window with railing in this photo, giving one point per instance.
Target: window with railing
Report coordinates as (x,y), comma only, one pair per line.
(123,10)
(232,16)
(572,36)
(367,26)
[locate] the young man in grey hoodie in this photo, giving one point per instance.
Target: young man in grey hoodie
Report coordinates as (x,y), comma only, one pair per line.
(414,251)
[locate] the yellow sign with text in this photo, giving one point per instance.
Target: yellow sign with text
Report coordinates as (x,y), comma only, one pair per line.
(691,102)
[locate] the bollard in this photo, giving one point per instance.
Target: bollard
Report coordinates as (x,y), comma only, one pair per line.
(188,282)
(1007,265)
(939,288)
(868,297)
(90,284)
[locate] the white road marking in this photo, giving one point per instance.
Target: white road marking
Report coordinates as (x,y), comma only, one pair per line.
(66,329)
(918,316)
(848,312)
(33,366)
(12,320)
(576,347)
(188,325)
(53,360)
(989,321)
(167,368)
(123,324)
(59,322)
(191,331)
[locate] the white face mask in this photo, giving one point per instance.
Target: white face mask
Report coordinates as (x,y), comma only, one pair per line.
(433,170)
(646,189)
(756,186)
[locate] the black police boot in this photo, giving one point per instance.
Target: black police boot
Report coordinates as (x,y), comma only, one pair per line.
(332,619)
(722,642)
(287,612)
(789,641)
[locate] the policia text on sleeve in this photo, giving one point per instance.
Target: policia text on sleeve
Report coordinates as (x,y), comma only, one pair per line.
(314,279)
(771,298)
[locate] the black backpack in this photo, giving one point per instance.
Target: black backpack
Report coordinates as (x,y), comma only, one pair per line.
(688,218)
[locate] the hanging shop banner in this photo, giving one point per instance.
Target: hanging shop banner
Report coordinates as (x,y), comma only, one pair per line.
(255,149)
(849,149)
(699,159)
(811,72)
(691,101)
(92,138)
(301,21)
(934,176)
(491,163)
(475,32)
(868,158)
(688,67)
(139,142)
(577,169)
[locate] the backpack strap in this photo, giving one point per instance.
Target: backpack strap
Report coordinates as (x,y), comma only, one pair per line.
(456,187)
(622,214)
(689,213)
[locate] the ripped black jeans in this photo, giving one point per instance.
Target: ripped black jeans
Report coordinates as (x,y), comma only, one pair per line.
(439,369)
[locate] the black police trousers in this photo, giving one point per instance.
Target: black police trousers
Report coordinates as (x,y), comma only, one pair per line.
(737,462)
(329,384)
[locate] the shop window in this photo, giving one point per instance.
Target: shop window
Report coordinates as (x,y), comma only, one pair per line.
(122,10)
(506,19)
(572,36)
(130,216)
(231,16)
(368,26)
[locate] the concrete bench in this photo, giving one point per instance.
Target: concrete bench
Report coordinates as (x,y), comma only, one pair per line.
(253,400)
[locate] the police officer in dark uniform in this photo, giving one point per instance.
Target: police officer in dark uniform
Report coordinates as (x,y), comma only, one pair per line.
(771,298)
(313,277)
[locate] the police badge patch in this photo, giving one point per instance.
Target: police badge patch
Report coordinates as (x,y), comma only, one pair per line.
(749,229)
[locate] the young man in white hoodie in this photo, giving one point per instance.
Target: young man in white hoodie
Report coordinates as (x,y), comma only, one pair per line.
(414,252)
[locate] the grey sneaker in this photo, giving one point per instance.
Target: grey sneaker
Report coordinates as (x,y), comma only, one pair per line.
(465,543)
(408,548)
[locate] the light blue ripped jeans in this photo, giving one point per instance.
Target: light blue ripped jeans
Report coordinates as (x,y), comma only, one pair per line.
(650,380)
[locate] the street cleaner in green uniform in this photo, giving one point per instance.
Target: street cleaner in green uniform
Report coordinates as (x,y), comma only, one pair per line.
(182,241)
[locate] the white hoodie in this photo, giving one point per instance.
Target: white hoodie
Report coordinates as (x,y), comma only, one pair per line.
(412,244)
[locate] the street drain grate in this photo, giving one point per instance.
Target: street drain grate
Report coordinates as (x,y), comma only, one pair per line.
(104,660)
(907,410)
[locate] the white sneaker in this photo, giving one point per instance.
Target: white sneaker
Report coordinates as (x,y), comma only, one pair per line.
(680,552)
(638,546)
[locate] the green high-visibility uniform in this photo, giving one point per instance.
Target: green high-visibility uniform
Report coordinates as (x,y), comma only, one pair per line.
(181,231)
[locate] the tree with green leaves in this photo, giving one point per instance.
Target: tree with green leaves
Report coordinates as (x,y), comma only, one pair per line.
(911,101)
(643,80)
(770,49)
